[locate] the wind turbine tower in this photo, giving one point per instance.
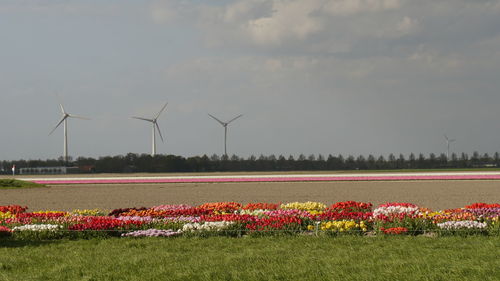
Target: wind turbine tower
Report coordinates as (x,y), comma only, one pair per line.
(448,141)
(224,124)
(64,120)
(155,126)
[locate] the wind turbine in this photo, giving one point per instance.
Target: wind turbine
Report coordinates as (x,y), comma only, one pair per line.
(64,120)
(154,122)
(224,124)
(448,141)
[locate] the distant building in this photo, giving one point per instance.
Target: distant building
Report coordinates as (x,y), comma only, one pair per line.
(483,165)
(56,170)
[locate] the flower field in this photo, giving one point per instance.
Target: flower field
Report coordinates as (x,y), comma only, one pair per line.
(483,175)
(232,219)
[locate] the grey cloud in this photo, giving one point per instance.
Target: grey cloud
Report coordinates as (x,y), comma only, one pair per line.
(369,76)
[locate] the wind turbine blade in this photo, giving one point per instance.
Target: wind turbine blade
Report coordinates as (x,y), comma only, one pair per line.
(159,132)
(452,140)
(62,109)
(222,123)
(234,118)
(163,108)
(446,137)
(62,120)
(79,117)
(140,118)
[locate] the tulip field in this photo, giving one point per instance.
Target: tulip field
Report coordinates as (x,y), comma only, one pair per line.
(257,241)
(180,231)
(232,219)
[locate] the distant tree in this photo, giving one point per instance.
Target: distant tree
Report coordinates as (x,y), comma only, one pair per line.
(486,159)
(333,163)
(341,161)
(282,164)
(464,156)
(251,163)
(412,161)
(371,162)
(401,162)
(350,162)
(443,160)
(475,156)
(361,162)
(392,161)
(454,160)
(421,159)
(464,161)
(61,159)
(432,161)
(171,163)
(381,163)
(205,164)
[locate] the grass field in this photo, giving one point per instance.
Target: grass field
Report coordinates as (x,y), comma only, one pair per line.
(273,258)
(13,184)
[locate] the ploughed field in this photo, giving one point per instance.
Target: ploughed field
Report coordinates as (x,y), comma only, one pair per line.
(443,194)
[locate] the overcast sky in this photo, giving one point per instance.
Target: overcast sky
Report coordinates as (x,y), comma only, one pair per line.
(310,76)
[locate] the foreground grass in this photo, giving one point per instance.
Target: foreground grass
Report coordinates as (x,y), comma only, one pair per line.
(12,183)
(286,258)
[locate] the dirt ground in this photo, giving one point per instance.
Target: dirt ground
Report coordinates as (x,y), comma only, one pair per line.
(432,194)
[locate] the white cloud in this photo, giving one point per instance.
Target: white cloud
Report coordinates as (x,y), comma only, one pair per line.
(60,7)
(287,63)
(290,20)
(350,7)
(436,62)
(277,23)
(407,25)
(243,11)
(163,11)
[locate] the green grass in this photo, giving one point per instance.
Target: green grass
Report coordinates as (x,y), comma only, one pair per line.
(272,258)
(12,183)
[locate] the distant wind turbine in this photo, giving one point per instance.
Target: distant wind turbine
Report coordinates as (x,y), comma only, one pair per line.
(154,122)
(448,141)
(224,124)
(64,120)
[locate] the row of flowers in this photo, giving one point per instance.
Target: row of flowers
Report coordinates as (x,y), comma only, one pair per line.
(255,219)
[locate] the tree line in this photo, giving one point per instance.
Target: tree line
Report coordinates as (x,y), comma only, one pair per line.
(137,163)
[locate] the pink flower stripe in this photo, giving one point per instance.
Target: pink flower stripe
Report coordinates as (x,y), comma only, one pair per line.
(270,179)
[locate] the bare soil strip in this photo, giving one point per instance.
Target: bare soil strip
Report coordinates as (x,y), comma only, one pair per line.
(433,194)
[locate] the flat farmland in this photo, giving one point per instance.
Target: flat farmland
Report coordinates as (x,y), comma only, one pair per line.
(440,194)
